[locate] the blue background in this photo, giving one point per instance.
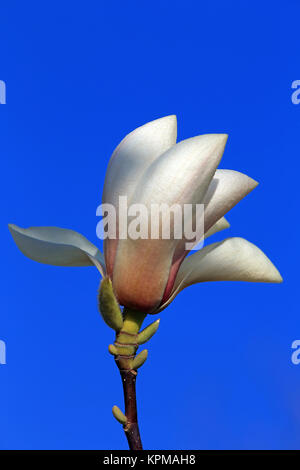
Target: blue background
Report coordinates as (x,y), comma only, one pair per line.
(80,76)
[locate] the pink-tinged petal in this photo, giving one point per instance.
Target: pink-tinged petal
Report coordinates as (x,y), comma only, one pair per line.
(57,246)
(181,253)
(226,189)
(233,259)
(129,161)
(179,176)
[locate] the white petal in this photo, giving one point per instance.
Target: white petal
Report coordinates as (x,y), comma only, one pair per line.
(221,224)
(134,155)
(233,259)
(181,175)
(130,160)
(57,246)
(226,189)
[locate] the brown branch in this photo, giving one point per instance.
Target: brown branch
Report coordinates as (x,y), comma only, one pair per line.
(125,350)
(131,428)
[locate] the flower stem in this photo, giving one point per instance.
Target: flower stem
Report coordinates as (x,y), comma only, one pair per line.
(126,345)
(131,429)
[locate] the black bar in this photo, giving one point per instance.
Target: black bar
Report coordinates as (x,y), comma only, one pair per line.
(128,459)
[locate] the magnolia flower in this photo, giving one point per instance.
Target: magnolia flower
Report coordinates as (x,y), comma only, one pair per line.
(148,167)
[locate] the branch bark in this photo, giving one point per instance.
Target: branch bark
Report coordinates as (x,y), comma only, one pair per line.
(126,346)
(131,428)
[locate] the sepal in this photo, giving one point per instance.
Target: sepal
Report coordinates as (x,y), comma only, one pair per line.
(119,415)
(148,332)
(112,350)
(139,360)
(108,305)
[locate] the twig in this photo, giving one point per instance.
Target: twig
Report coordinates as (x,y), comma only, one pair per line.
(131,428)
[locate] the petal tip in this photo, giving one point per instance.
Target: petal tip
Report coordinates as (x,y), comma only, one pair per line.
(226,224)
(13,228)
(170,122)
(222,138)
(171,117)
(220,141)
(277,279)
(253,183)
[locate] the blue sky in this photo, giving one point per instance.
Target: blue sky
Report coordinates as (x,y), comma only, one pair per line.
(80,76)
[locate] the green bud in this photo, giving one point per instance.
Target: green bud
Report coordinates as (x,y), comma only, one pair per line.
(148,332)
(139,360)
(119,415)
(108,305)
(112,349)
